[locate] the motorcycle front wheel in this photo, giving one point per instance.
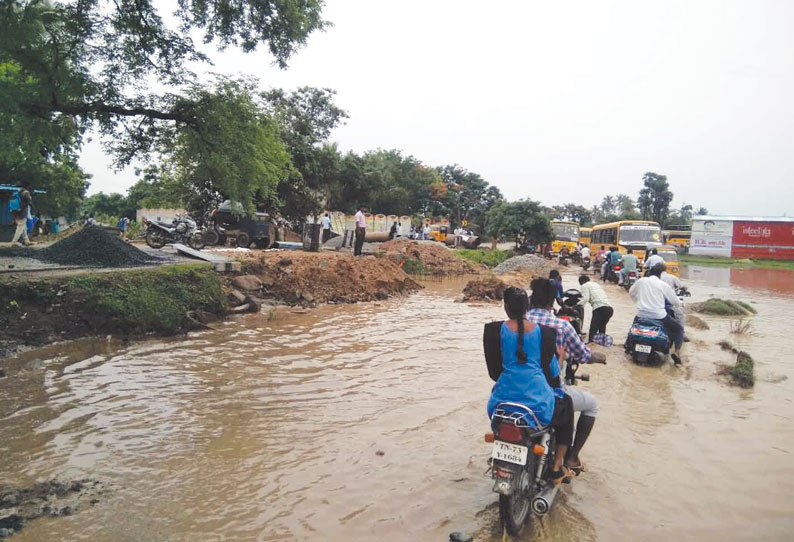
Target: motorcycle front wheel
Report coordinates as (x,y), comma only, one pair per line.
(154,239)
(515,509)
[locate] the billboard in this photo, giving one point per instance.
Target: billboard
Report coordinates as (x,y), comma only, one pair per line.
(762,239)
(711,237)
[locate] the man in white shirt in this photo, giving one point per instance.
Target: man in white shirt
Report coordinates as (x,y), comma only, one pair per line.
(602,311)
(652,260)
(361,230)
(585,252)
(326,222)
(426,232)
(649,295)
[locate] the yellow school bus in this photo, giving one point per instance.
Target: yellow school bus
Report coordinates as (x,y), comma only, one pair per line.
(677,238)
(584,235)
(638,235)
(566,235)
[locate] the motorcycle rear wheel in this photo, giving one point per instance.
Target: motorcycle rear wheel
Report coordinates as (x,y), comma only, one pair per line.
(211,237)
(154,239)
(515,510)
(196,241)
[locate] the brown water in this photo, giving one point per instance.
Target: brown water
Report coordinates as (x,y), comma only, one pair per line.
(270,430)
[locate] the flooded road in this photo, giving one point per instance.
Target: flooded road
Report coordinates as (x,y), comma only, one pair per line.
(366,421)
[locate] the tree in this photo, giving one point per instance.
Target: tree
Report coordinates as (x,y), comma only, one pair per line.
(306,118)
(108,205)
(571,212)
(117,66)
(466,196)
(702,211)
(655,197)
(523,218)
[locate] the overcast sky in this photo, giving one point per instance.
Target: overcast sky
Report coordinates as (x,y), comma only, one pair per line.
(559,101)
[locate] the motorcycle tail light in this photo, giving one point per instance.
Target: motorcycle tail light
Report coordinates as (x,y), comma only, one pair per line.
(509,433)
(489,437)
(617,268)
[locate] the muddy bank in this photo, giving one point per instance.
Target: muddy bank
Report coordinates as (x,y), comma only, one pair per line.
(40,311)
(19,506)
(427,258)
(311,278)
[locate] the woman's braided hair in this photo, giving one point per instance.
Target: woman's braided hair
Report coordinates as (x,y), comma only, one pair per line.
(516,307)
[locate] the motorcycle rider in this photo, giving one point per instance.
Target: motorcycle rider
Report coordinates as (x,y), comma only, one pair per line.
(652,260)
(541,312)
(605,266)
(585,252)
(630,262)
(650,296)
(555,277)
(514,353)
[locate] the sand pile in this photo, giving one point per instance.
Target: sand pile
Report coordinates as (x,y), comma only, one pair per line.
(536,265)
(312,277)
(427,258)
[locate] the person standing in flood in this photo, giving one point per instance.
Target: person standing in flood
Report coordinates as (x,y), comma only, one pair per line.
(326,222)
(361,230)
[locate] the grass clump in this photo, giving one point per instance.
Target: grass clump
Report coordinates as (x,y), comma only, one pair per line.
(414,266)
(742,327)
(742,373)
(724,307)
(488,258)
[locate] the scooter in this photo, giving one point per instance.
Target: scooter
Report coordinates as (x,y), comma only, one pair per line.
(522,460)
(630,278)
(648,342)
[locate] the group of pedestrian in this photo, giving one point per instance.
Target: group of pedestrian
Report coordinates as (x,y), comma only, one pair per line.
(21,206)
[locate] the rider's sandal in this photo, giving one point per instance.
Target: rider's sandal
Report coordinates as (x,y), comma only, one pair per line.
(578,469)
(562,476)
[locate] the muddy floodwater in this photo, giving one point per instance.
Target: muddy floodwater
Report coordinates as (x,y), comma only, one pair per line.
(366,422)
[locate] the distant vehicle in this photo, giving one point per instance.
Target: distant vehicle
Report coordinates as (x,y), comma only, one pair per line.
(585,235)
(638,235)
(229,220)
(677,236)
(439,232)
(566,235)
(671,260)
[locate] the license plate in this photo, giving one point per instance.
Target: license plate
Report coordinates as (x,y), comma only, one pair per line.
(642,348)
(512,453)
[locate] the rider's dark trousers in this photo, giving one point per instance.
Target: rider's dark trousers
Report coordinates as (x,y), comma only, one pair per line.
(562,420)
(675,330)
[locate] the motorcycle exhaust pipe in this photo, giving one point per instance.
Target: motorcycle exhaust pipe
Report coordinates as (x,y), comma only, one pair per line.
(541,504)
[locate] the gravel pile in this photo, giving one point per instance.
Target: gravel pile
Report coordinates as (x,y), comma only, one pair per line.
(94,247)
(526,262)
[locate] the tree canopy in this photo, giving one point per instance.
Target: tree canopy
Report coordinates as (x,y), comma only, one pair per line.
(523,218)
(655,197)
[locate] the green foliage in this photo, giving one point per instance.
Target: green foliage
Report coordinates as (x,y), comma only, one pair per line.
(519,219)
(742,374)
(614,208)
(415,267)
(655,197)
(151,300)
(113,206)
(463,195)
(489,258)
(571,212)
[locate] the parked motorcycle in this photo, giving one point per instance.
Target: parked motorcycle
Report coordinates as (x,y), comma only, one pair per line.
(521,461)
(182,230)
(648,342)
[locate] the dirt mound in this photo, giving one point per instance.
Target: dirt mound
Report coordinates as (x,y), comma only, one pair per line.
(95,247)
(309,278)
(21,505)
(696,322)
(723,307)
(489,289)
(536,265)
(427,258)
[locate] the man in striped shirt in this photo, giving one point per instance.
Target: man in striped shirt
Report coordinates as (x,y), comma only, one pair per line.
(541,304)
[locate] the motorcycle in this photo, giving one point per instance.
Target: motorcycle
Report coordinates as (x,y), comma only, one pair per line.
(182,230)
(630,278)
(571,310)
(522,459)
(586,263)
(613,275)
(564,256)
(648,342)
